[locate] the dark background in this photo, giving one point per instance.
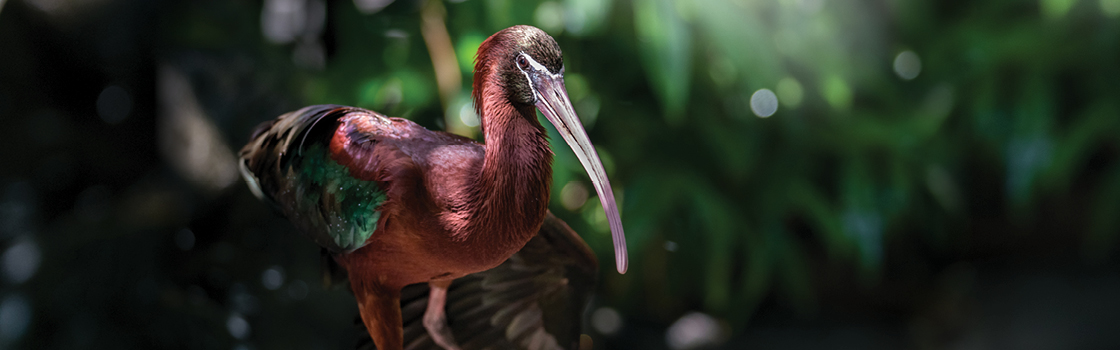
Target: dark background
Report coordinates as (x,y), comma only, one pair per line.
(937,175)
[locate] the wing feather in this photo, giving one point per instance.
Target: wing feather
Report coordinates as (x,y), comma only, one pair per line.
(290,164)
(533,301)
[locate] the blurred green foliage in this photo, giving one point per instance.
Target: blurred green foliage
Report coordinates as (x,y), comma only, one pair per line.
(915,145)
(993,107)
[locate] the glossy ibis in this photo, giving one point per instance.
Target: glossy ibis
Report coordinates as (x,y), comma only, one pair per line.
(397,204)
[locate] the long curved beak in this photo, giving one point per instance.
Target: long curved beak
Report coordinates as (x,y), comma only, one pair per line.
(553,102)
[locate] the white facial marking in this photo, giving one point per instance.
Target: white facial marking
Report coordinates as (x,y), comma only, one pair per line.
(536,66)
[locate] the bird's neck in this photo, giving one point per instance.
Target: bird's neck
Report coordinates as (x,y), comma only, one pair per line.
(513,184)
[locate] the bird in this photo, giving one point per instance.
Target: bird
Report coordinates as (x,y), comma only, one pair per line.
(397,204)
(532,301)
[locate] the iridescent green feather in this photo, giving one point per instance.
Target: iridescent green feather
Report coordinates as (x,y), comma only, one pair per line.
(355,201)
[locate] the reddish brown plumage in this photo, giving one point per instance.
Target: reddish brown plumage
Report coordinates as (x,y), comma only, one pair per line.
(489,211)
(452,206)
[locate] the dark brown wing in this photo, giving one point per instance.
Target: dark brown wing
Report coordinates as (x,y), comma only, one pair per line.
(289,163)
(533,301)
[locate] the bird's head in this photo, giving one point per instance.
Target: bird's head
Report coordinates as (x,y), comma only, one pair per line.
(518,60)
(523,65)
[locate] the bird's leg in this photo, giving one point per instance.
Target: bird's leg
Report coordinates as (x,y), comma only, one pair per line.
(435,319)
(381,312)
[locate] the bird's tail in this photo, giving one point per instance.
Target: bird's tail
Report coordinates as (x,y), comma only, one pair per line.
(272,143)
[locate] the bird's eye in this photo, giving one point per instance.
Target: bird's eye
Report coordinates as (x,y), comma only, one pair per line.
(522,62)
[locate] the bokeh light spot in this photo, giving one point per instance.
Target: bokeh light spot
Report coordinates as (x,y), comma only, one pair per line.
(693,330)
(573,195)
(585,16)
(237,326)
(273,278)
(15,316)
(1110,8)
(1055,9)
(837,92)
(790,92)
(20,261)
(468,116)
(606,320)
(907,65)
(282,20)
(113,104)
(764,103)
(550,17)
